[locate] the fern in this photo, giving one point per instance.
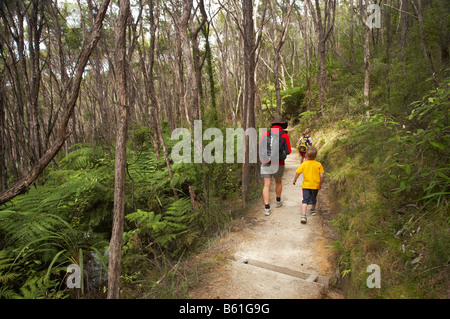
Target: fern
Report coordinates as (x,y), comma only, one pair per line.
(174,225)
(82,192)
(40,288)
(44,229)
(21,228)
(143,219)
(83,158)
(6,293)
(37,244)
(6,263)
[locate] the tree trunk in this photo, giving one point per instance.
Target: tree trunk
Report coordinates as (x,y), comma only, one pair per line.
(98,66)
(366,66)
(306,56)
(323,30)
(276,71)
(277,43)
(444,37)
(225,82)
(323,72)
(249,88)
(115,246)
(425,43)
(34,38)
(191,95)
(403,35)
(366,55)
(388,55)
(352,46)
(3,171)
(198,62)
(153,121)
(152,93)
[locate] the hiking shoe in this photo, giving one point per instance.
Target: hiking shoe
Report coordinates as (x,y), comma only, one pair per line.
(303,220)
(267,211)
(313,212)
(278,203)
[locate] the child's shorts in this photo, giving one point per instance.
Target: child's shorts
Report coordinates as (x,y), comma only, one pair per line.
(309,196)
(303,154)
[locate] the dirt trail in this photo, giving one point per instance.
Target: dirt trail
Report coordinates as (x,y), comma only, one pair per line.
(281,253)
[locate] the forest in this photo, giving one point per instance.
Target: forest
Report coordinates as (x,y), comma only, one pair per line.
(92,91)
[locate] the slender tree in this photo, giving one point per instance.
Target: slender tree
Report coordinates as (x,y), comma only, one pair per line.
(115,246)
(277,41)
(366,54)
(323,29)
(150,86)
(426,47)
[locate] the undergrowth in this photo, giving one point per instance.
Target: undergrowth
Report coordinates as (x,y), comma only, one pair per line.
(66,218)
(389,182)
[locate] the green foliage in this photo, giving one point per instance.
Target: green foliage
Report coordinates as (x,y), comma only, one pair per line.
(292,102)
(67,218)
(83,157)
(422,173)
(171,230)
(35,248)
(390,179)
(43,230)
(305,118)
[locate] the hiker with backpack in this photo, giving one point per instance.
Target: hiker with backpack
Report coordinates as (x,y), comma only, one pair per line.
(304,143)
(273,149)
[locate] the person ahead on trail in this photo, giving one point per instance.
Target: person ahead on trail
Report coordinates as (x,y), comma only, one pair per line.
(274,147)
(313,174)
(304,143)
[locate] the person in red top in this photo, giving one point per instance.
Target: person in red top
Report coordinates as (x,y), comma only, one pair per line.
(274,168)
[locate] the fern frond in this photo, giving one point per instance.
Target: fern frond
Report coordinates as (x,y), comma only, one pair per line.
(21,228)
(38,288)
(82,158)
(6,293)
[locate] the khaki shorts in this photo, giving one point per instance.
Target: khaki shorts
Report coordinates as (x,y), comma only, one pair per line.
(269,171)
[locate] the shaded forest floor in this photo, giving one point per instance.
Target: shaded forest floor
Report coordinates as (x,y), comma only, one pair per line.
(282,253)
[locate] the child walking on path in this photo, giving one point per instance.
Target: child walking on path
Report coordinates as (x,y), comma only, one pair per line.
(313,174)
(304,143)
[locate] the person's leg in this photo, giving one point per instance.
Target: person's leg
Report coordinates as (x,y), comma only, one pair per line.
(304,204)
(266,190)
(314,201)
(278,189)
(278,186)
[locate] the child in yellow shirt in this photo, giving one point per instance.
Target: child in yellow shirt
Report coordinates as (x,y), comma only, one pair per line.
(313,174)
